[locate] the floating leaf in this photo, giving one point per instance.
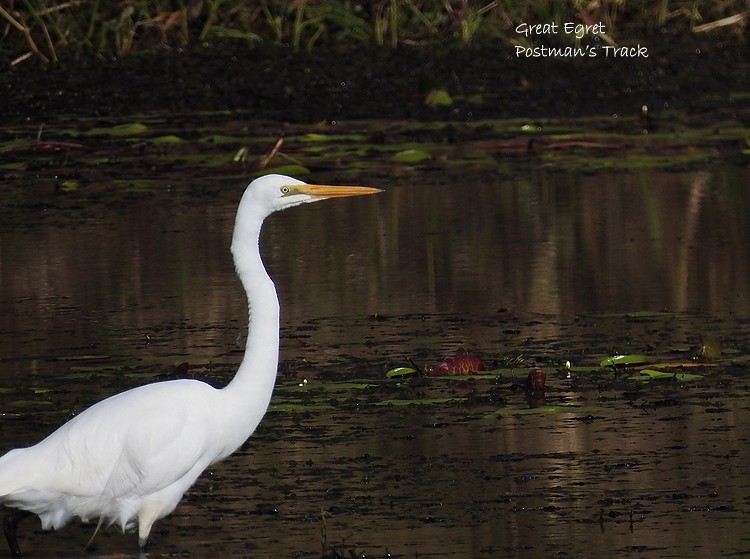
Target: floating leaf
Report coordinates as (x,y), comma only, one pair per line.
(29,403)
(314,137)
(420,402)
(410,156)
(168,139)
(400,372)
(142,375)
(644,316)
(81,357)
(438,98)
(489,375)
(344,386)
(544,410)
(646,375)
(624,360)
(298,408)
(131,129)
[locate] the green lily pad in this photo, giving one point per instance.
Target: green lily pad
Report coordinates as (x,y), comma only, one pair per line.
(438,98)
(315,137)
(544,410)
(29,403)
(646,375)
(298,408)
(400,372)
(410,156)
(624,360)
(168,139)
(131,129)
(420,402)
(85,357)
(644,316)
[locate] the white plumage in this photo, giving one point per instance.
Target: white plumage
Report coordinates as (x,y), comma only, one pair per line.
(129,459)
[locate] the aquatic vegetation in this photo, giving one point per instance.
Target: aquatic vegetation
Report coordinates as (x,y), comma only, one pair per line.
(45,31)
(459,365)
(623,360)
(709,349)
(536,380)
(645,375)
(546,410)
(411,156)
(499,148)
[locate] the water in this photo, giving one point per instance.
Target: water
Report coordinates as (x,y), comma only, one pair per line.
(106,286)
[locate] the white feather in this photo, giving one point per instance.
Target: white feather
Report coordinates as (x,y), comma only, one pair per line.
(129,459)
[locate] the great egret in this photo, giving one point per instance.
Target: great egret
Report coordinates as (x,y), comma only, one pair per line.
(129,459)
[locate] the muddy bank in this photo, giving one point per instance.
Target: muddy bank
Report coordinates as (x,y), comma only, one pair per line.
(688,73)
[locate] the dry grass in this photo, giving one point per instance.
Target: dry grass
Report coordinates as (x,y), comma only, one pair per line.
(44,29)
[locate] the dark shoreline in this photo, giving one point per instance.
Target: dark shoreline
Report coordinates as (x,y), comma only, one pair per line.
(691,73)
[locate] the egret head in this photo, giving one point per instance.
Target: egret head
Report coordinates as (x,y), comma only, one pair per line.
(271,193)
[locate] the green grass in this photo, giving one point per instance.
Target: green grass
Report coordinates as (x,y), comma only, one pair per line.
(50,29)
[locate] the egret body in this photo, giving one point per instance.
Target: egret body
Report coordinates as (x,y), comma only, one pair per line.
(129,459)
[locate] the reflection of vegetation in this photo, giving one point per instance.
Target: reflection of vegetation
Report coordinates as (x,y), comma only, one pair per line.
(44,29)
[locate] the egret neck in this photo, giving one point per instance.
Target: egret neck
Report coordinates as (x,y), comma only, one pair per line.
(256,375)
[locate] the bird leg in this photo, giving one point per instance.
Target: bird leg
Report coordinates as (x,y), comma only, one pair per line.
(9,526)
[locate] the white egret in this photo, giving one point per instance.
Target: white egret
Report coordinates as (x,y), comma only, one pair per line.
(129,459)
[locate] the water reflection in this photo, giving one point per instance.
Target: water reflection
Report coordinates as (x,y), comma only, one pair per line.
(550,244)
(579,245)
(93,277)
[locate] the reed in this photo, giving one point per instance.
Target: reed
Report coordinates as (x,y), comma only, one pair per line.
(45,29)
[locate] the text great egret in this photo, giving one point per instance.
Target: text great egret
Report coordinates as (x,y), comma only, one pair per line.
(129,459)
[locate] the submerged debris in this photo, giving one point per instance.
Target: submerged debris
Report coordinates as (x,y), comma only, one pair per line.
(536,380)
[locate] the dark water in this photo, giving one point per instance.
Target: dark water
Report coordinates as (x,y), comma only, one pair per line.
(104,288)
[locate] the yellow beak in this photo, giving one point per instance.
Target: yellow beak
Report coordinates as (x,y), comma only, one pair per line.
(326,191)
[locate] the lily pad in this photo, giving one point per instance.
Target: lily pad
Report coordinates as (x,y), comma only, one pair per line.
(29,403)
(410,156)
(646,375)
(438,98)
(420,402)
(168,139)
(624,360)
(131,129)
(544,410)
(400,372)
(315,137)
(298,408)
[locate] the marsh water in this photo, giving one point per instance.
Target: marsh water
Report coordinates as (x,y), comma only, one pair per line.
(115,271)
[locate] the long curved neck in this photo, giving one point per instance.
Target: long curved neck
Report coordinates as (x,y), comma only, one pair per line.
(255,378)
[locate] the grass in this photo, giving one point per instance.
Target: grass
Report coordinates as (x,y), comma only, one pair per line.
(49,29)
